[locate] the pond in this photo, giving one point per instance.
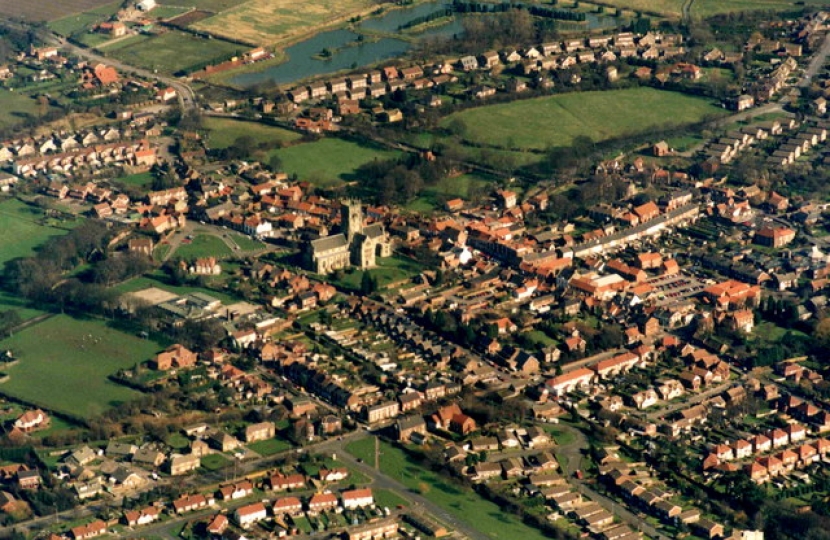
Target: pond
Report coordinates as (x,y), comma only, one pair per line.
(349,53)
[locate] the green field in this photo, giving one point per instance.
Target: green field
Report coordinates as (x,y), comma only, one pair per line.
(203,245)
(329,161)
(15,107)
(449,188)
(463,503)
(214,462)
(83,20)
(389,270)
(557,120)
(388,499)
(707,8)
(139,180)
(144,282)
(22,231)
(224,131)
(173,51)
(269,447)
(64,364)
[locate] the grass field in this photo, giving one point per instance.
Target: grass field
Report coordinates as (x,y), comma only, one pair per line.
(389,270)
(388,499)
(272,21)
(21,231)
(463,503)
(224,131)
(144,282)
(15,107)
(557,120)
(448,188)
(141,179)
(203,245)
(329,161)
(214,462)
(173,51)
(269,447)
(47,11)
(64,364)
(83,19)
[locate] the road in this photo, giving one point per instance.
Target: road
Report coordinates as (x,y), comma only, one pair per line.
(187,98)
(686,403)
(816,63)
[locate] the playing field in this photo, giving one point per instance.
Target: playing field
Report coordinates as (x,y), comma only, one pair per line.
(173,51)
(556,120)
(203,245)
(224,131)
(64,364)
(330,161)
(270,21)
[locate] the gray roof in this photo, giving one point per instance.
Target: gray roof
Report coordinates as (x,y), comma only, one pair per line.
(329,242)
(373,231)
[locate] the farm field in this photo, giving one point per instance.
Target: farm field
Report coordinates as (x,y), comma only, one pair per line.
(82,19)
(224,131)
(172,52)
(73,358)
(47,11)
(707,8)
(22,232)
(329,161)
(463,503)
(270,21)
(557,120)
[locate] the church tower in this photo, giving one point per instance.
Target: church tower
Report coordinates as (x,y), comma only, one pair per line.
(351,218)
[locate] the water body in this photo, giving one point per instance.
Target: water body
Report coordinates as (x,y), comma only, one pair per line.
(350,54)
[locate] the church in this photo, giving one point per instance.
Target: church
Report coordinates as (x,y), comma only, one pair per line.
(358,245)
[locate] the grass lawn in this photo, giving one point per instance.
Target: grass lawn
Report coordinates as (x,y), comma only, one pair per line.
(22,231)
(540,338)
(562,437)
(214,462)
(269,447)
(389,270)
(388,499)
(203,245)
(463,503)
(272,21)
(329,161)
(174,51)
(224,131)
(9,301)
(143,179)
(557,120)
(178,441)
(15,107)
(72,359)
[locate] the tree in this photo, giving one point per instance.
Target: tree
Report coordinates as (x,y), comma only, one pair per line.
(368,285)
(275,163)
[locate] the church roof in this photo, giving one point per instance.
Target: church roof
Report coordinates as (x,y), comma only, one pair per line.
(329,242)
(373,231)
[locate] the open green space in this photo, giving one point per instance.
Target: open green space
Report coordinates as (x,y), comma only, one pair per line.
(168,12)
(22,230)
(64,364)
(329,161)
(464,186)
(83,20)
(143,179)
(389,270)
(539,338)
(203,245)
(463,503)
(178,441)
(388,499)
(269,447)
(224,131)
(173,51)
(15,108)
(214,462)
(9,301)
(557,120)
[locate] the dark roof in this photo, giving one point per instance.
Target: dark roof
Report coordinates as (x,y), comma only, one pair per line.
(329,242)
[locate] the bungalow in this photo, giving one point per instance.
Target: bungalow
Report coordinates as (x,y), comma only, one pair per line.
(145,516)
(90,530)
